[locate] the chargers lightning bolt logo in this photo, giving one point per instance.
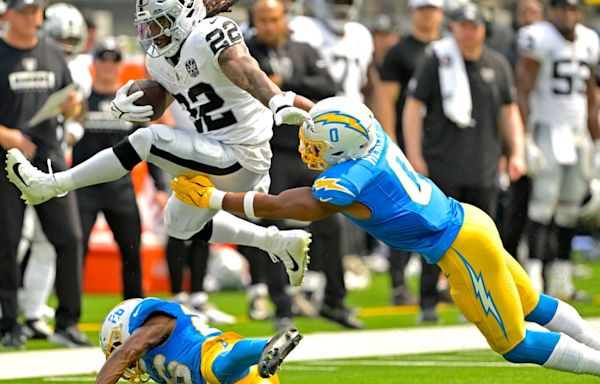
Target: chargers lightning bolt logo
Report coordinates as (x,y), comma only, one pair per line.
(336,117)
(331,184)
(484,296)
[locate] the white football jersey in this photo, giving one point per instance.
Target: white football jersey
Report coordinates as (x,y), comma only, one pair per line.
(79,66)
(218,108)
(348,57)
(559,96)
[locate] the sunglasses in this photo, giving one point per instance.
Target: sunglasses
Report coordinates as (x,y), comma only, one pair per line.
(111,56)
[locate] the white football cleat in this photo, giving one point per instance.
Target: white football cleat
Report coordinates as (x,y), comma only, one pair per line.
(291,248)
(36,186)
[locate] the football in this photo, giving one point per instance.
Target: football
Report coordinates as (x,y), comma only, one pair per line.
(154,94)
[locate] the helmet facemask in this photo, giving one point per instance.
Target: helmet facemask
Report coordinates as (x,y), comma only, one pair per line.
(310,152)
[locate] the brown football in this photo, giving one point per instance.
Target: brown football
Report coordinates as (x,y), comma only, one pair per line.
(154,95)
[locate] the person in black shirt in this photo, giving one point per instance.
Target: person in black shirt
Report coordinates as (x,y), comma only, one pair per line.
(460,152)
(30,71)
(398,67)
(298,67)
(116,200)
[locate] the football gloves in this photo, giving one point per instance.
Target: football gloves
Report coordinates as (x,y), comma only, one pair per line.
(123,107)
(534,157)
(197,191)
(284,111)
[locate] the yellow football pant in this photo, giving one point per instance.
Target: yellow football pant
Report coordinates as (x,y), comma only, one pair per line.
(488,285)
(216,345)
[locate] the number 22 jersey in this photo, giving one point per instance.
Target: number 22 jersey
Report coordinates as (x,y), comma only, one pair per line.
(217,107)
(409,211)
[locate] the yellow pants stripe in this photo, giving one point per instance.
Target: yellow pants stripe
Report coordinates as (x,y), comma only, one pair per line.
(488,285)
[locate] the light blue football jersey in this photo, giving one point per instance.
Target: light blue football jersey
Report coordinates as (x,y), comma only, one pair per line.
(178,359)
(409,211)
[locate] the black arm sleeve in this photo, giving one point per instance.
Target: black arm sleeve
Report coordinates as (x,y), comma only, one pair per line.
(316,83)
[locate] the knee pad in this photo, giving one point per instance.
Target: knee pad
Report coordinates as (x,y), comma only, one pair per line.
(535,348)
(544,311)
(141,141)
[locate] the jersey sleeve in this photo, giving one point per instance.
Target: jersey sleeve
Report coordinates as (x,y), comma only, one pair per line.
(422,84)
(531,42)
(219,33)
(149,306)
(392,66)
(334,190)
(594,49)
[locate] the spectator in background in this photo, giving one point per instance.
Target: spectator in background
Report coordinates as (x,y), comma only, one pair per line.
(514,205)
(31,61)
(65,28)
(116,200)
(399,66)
(457,140)
(298,67)
(384,37)
(557,97)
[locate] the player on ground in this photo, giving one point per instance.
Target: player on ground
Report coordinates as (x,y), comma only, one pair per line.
(367,178)
(201,60)
(163,340)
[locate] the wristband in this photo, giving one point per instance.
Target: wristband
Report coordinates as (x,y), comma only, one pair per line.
(249,204)
(216,199)
(278,102)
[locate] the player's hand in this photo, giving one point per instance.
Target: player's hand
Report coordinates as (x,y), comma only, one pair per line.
(72,106)
(122,106)
(516,167)
(14,138)
(534,157)
(284,111)
(196,191)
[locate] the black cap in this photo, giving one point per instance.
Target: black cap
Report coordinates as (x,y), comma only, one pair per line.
(568,3)
(381,23)
(469,12)
(108,49)
(20,4)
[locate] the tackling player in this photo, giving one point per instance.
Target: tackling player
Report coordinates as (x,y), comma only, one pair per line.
(163,340)
(367,178)
(202,61)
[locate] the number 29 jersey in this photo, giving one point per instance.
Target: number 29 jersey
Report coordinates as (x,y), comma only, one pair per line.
(559,96)
(217,107)
(409,212)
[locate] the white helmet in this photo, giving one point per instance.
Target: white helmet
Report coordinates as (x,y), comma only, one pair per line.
(163,25)
(341,129)
(334,13)
(589,212)
(114,332)
(65,25)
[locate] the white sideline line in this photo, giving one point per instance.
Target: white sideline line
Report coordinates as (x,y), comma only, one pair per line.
(315,346)
(433,363)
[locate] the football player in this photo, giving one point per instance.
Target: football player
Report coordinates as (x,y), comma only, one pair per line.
(368,179)
(556,85)
(202,61)
(163,340)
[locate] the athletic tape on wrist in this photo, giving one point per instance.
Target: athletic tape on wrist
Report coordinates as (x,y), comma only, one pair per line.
(249,204)
(278,102)
(216,199)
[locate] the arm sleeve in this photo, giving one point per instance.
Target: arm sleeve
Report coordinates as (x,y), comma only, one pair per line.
(316,83)
(421,86)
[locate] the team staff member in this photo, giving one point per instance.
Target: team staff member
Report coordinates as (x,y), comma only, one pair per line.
(30,71)
(298,67)
(116,200)
(399,66)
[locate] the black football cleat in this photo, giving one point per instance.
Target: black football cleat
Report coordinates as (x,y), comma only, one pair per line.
(276,351)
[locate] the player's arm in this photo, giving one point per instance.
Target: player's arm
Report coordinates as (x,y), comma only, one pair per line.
(15,138)
(512,132)
(243,70)
(592,104)
(412,130)
(296,204)
(527,73)
(371,90)
(153,332)
(390,92)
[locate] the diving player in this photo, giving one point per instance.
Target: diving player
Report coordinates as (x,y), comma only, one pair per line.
(202,61)
(367,178)
(163,340)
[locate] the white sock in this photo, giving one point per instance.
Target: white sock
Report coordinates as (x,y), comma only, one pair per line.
(103,167)
(572,356)
(566,320)
(229,229)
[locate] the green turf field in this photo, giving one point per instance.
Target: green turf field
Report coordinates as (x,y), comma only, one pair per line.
(476,367)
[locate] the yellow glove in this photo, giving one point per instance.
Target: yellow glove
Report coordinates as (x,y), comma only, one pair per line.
(197,191)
